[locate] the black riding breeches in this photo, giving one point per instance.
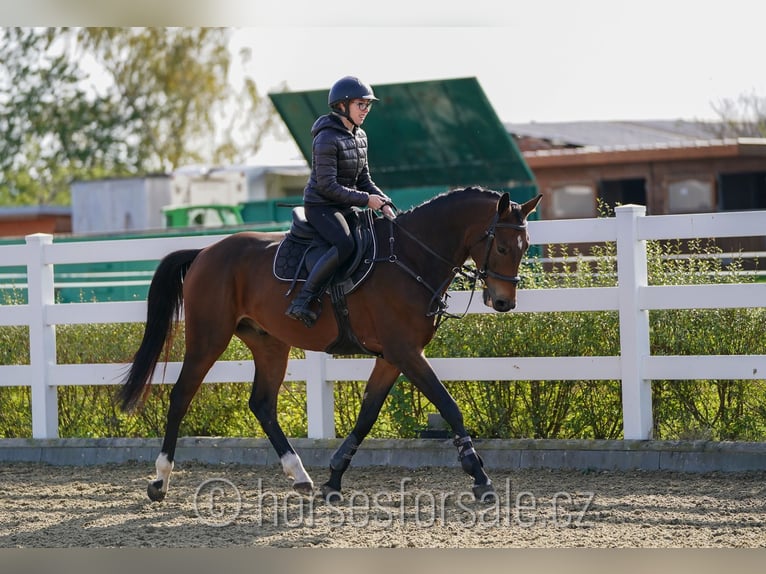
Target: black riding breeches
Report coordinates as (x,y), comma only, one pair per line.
(333,227)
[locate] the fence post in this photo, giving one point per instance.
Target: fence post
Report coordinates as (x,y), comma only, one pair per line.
(42,338)
(634,324)
(320,400)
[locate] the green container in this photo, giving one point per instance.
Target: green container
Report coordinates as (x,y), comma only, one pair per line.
(203,215)
(258,211)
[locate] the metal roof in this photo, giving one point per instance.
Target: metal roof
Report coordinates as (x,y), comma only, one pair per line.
(440,132)
(622,154)
(617,133)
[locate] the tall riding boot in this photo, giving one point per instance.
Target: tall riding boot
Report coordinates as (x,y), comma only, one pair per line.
(312,289)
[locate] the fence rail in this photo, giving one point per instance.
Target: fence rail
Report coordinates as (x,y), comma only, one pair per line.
(632,298)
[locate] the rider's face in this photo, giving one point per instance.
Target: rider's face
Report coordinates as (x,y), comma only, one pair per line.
(359,110)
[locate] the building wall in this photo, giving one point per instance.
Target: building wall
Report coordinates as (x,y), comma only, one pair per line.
(659,177)
(40,224)
(120,205)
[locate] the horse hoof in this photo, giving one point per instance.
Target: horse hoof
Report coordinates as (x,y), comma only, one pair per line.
(485,493)
(330,494)
(154,491)
(305,488)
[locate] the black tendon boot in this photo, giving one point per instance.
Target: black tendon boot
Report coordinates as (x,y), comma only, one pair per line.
(300,308)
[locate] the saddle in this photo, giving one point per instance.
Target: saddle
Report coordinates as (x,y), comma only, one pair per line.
(301,249)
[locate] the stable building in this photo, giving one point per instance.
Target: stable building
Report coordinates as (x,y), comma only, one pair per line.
(671,167)
(29,219)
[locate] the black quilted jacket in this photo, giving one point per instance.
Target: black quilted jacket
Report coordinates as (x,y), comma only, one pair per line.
(339,171)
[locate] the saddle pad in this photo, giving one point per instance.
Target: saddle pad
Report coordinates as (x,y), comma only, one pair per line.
(291,252)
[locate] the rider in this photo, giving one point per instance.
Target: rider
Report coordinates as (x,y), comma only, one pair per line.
(339,180)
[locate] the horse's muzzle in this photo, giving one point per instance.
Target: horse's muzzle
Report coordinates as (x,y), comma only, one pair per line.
(500,304)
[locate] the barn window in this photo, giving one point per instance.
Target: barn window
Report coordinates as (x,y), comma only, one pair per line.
(741,191)
(573,201)
(690,196)
(614,192)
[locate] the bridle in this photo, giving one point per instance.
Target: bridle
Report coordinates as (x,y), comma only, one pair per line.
(471,274)
(485,271)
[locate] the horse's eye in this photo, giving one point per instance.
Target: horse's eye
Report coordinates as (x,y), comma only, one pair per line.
(502,250)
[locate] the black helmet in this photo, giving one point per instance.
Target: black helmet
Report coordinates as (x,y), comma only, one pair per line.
(349,88)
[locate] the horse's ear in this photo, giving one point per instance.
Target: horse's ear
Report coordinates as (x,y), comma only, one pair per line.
(503,203)
(529,206)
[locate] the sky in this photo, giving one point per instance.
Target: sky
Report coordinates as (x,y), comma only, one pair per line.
(538,60)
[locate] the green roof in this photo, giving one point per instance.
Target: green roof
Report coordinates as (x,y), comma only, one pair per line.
(441,132)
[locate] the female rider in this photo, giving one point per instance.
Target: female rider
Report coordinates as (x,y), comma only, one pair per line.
(339,180)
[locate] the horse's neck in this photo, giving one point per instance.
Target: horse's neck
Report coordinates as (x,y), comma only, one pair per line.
(444,229)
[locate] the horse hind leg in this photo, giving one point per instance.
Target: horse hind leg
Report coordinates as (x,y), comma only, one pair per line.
(187,385)
(270,356)
(180,398)
(158,488)
(199,358)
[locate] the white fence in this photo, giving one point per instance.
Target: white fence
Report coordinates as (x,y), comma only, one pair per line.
(632,298)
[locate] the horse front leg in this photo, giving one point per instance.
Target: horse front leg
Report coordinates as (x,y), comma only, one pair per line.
(381,380)
(420,373)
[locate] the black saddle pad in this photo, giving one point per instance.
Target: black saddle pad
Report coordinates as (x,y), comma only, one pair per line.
(296,254)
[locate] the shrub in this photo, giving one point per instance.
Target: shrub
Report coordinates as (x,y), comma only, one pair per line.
(713,409)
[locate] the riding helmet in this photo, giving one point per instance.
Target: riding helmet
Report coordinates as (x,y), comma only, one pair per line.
(349,88)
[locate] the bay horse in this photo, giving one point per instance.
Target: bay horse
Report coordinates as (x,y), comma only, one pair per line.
(229,289)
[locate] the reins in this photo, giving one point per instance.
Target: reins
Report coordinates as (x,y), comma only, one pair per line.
(440,301)
(469,273)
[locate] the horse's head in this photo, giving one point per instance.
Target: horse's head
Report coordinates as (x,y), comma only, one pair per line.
(498,256)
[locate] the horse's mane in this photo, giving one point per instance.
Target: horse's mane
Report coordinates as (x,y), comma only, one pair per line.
(450,196)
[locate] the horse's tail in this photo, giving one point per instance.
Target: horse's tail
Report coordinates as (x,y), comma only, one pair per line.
(163,311)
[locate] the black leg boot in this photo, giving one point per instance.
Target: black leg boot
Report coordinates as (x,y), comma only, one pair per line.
(312,289)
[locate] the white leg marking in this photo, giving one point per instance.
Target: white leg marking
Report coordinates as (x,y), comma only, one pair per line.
(164,468)
(293,468)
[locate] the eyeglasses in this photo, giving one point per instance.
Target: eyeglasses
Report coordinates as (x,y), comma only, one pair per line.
(364,105)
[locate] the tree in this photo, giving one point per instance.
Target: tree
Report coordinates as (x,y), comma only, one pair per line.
(52,131)
(166,100)
(741,117)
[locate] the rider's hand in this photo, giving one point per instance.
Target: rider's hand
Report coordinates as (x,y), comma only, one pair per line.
(375,201)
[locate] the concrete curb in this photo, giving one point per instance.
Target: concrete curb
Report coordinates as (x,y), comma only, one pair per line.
(682,456)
